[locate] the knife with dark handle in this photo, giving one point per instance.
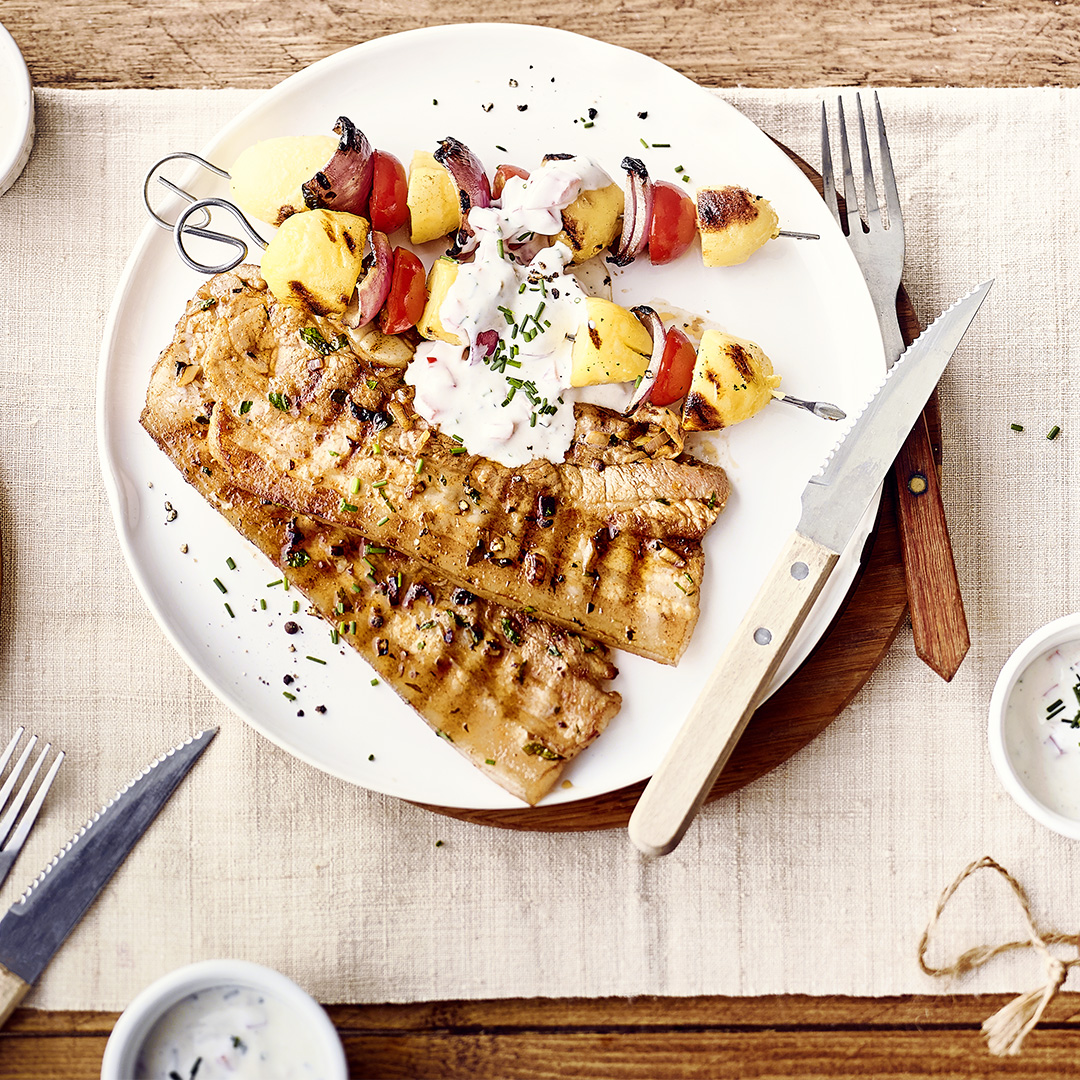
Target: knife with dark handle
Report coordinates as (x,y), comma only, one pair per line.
(833,502)
(37,924)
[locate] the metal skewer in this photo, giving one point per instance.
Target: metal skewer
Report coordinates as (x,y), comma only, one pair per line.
(819,408)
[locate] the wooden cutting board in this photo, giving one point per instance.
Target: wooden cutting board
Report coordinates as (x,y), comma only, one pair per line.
(811,699)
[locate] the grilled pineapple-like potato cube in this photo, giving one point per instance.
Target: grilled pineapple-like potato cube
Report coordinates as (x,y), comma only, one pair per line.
(733,224)
(443,274)
(315,259)
(433,200)
(611,345)
(266,177)
(732,380)
(591,221)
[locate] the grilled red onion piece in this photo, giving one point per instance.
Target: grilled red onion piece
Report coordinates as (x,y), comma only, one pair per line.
(374,287)
(467,172)
(344,182)
(637,214)
(652,322)
(487,341)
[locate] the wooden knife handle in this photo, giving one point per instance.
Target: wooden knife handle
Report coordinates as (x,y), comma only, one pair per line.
(12,991)
(937,608)
(704,743)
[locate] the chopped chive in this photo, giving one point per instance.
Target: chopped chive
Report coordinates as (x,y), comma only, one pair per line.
(222,589)
(355,485)
(1017,427)
(521,287)
(375,550)
(230,611)
(314,659)
(662,145)
(262,603)
(383,521)
(686,178)
(230,564)
(678,168)
(458,450)
(285,584)
(245,406)
(356,586)
(380,484)
(377,448)
(285,693)
(419,466)
(295,606)
(1054,432)
(352,626)
(588,124)
(274,584)
(501,255)
(643,143)
(348,507)
(374,682)
(334,637)
(491,760)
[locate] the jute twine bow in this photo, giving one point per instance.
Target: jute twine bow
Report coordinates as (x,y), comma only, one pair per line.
(1006,1029)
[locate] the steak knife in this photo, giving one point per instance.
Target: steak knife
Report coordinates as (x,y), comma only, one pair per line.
(37,924)
(833,502)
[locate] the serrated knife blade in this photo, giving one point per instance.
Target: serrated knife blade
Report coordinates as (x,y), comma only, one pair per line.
(833,502)
(37,924)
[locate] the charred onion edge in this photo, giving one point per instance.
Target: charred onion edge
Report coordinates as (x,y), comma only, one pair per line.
(652,322)
(344,182)
(374,287)
(638,213)
(467,172)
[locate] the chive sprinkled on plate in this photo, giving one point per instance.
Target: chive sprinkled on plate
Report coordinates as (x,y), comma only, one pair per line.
(1054,432)
(230,563)
(221,588)
(285,693)
(230,611)
(315,660)
(1017,427)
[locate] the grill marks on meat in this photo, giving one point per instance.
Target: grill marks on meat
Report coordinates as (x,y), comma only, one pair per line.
(500,686)
(520,536)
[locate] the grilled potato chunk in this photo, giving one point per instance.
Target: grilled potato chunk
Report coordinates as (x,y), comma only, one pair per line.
(610,346)
(266,177)
(733,224)
(733,379)
(591,221)
(315,259)
(433,200)
(443,274)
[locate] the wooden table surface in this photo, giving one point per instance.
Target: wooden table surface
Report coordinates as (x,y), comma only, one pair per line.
(770,43)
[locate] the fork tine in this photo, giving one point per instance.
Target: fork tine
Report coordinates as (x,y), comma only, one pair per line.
(873,214)
(888,178)
(17,804)
(828,179)
(14,845)
(851,197)
(9,784)
(6,756)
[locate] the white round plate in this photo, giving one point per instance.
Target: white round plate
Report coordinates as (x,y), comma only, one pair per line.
(526,89)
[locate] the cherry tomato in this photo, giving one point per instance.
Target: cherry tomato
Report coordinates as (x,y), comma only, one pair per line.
(502,174)
(676,369)
(674,223)
(388,209)
(408,294)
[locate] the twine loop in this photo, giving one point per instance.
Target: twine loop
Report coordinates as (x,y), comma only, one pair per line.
(1006,1030)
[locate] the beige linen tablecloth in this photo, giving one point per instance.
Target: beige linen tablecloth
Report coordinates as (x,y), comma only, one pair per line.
(816,879)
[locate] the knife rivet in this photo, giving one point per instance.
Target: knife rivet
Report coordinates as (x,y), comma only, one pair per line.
(762,636)
(800,571)
(917,484)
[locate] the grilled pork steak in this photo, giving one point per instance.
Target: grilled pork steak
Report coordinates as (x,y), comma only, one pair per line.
(606,543)
(517,697)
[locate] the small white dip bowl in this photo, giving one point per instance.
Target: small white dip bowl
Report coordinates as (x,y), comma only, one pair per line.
(1013,733)
(307,1016)
(17,115)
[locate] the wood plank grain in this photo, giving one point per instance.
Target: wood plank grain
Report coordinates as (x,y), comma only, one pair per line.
(771,43)
(626,1039)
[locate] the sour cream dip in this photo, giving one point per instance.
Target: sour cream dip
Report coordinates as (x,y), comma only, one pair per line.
(1034,731)
(224,1019)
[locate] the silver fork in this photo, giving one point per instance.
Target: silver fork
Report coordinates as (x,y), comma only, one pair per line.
(878,246)
(10,850)
(937,610)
